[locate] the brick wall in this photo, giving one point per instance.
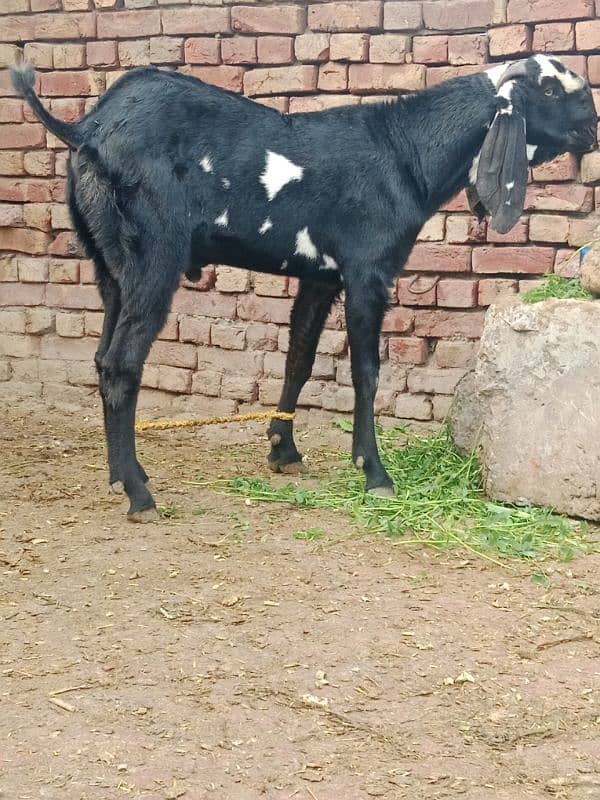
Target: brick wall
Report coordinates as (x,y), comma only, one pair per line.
(226,338)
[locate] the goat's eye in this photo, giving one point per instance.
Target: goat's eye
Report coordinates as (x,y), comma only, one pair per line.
(549,92)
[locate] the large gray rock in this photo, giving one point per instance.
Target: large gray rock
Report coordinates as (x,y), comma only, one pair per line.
(534,405)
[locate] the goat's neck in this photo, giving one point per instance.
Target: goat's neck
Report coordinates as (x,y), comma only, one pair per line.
(447,125)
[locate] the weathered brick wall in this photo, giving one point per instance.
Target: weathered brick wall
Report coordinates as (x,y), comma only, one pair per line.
(226,338)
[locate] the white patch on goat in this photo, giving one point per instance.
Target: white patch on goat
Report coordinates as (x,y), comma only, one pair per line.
(279,170)
(531,148)
(506,92)
(568,80)
(473,170)
(223,219)
(509,185)
(328,262)
(206,164)
(284,265)
(226,183)
(305,245)
(266,226)
(495,73)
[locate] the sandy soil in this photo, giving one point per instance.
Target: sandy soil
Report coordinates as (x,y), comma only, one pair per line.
(213,655)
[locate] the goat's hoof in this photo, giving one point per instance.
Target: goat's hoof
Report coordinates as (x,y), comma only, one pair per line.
(293,468)
(145,515)
(382,491)
(117,487)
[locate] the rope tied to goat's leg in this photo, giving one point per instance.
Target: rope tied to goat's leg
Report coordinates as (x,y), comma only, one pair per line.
(163,425)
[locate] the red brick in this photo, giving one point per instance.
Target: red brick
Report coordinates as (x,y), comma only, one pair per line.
(228,335)
(270,285)
(546,10)
(10,214)
(312,47)
(16,346)
(398,320)
(492,289)
(559,197)
(22,294)
(461,229)
(205,50)
(413,406)
(454,293)
(65,244)
(48,27)
(206,304)
(166,50)
(12,321)
(225,76)
(9,54)
(458,14)
(390,48)
(433,230)
(562,168)
(45,5)
(56,347)
(68,84)
(23,240)
(319,102)
(583,229)
(402,16)
(37,215)
(194,329)
(264,309)
(566,263)
(443,324)
(519,234)
(68,56)
(11,162)
(9,271)
(64,270)
(408,350)
(333,77)
(174,354)
(21,135)
(67,109)
(511,40)
(174,379)
(458,203)
(270,19)
(418,290)
(455,353)
(531,260)
(39,54)
(437,75)
(349,47)
(386,77)
(260,336)
(281,104)
(232,279)
(577,64)
(434,380)
(548,228)
(590,168)
(278,80)
(101,54)
(69,325)
(239,387)
(60,295)
(594,70)
(554,37)
(332,342)
(442,258)
(352,16)
(134,52)
(11,110)
(232,362)
(430,49)
(131,24)
(237,50)
(470,48)
(275,49)
(38,162)
(25,190)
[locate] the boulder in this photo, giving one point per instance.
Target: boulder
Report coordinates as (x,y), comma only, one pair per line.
(532,405)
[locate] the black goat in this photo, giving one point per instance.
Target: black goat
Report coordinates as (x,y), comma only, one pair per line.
(168,174)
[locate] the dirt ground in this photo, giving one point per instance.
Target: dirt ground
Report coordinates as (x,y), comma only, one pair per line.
(214,655)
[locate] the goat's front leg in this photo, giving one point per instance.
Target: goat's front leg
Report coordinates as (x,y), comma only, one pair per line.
(365,307)
(310,310)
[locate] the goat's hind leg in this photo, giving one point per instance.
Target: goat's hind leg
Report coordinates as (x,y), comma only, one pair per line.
(144,309)
(310,310)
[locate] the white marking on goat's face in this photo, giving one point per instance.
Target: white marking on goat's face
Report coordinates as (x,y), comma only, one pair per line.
(266,226)
(328,262)
(279,170)
(305,245)
(531,148)
(223,219)
(206,164)
(567,79)
(226,183)
(495,73)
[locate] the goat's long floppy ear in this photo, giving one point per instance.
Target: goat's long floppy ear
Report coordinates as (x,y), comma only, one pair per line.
(503,170)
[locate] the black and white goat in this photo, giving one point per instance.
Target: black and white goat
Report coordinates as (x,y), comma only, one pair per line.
(168,174)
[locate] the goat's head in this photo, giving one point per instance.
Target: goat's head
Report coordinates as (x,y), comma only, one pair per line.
(543,109)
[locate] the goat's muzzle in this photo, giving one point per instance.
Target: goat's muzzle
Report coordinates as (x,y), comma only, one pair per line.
(584,140)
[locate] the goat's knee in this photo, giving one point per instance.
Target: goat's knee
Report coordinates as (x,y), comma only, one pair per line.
(118,382)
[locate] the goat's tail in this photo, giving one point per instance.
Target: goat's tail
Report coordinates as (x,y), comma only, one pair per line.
(23,80)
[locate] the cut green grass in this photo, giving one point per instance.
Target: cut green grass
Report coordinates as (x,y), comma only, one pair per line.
(557,288)
(439,503)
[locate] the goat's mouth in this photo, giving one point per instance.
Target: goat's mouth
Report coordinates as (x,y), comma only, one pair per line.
(583,141)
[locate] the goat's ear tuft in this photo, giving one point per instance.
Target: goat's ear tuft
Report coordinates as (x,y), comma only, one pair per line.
(502,171)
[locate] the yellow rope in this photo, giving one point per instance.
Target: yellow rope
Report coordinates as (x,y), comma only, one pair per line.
(198,423)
